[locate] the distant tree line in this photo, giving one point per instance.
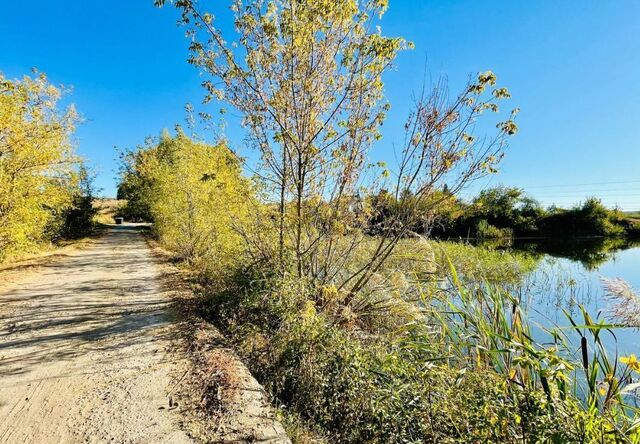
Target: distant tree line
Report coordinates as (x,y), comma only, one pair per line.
(508,212)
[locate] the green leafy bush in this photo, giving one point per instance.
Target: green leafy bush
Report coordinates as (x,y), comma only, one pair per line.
(484,230)
(78,219)
(195,195)
(503,212)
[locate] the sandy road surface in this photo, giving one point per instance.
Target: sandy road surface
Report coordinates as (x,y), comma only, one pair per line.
(86,350)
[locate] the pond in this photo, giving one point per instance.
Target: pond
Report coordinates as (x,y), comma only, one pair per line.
(570,273)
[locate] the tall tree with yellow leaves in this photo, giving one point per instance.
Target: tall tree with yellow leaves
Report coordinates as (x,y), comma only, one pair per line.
(37,164)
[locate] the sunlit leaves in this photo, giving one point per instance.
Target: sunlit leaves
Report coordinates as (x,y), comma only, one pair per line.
(194,193)
(306,76)
(37,171)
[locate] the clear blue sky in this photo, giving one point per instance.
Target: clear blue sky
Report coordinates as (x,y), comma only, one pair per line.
(573,67)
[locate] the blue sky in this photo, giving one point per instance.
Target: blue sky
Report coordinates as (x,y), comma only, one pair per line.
(573,67)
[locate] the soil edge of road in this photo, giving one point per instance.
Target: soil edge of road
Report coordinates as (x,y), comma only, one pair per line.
(221,400)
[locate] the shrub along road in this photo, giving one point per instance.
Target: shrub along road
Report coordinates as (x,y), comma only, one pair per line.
(87,349)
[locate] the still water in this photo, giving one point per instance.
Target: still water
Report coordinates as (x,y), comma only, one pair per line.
(570,274)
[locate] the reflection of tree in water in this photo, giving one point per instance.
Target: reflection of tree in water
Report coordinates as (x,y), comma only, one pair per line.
(590,252)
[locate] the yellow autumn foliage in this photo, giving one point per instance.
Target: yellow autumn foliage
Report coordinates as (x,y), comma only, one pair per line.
(196,197)
(37,164)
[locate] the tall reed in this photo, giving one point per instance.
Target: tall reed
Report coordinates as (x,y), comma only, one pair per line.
(486,327)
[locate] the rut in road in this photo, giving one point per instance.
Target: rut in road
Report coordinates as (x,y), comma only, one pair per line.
(86,349)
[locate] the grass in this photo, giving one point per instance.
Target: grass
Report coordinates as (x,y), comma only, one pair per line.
(598,386)
(483,264)
(107,209)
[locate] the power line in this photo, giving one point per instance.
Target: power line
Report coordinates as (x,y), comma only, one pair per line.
(605,190)
(580,184)
(609,198)
(606,198)
(587,194)
(635,204)
(571,198)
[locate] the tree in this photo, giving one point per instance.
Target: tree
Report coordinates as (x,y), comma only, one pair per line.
(307,80)
(37,165)
(195,194)
(134,187)
(499,205)
(306,75)
(439,149)
(77,220)
(591,218)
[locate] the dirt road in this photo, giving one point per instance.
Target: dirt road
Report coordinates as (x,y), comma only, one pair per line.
(87,351)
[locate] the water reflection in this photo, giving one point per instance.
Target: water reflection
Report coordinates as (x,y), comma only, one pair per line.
(569,275)
(591,253)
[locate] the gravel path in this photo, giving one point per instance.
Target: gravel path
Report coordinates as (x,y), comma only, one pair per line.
(87,351)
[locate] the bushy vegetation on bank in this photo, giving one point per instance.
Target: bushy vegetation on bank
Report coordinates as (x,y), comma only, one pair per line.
(195,195)
(437,349)
(388,372)
(505,212)
(45,194)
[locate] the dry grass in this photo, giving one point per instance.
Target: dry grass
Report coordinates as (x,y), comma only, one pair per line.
(624,302)
(107,209)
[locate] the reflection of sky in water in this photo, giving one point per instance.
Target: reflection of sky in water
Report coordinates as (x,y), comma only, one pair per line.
(548,293)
